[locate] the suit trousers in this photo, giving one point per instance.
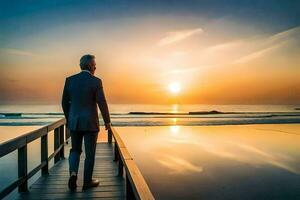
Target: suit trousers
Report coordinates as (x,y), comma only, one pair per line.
(90,142)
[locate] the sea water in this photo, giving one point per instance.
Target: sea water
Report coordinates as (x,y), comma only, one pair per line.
(195,151)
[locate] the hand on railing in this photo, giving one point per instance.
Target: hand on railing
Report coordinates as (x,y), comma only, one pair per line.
(108,126)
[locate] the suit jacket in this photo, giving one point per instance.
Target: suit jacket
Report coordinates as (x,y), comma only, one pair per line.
(82,92)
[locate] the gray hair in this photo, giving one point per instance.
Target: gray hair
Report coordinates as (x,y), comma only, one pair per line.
(85,61)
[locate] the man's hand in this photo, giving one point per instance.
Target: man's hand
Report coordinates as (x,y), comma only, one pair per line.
(108,126)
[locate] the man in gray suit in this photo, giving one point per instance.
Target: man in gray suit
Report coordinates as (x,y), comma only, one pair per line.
(82,92)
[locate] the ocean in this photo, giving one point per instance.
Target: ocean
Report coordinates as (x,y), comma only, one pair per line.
(160,115)
(194,151)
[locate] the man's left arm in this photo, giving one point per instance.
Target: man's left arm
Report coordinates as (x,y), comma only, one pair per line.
(65,102)
(101,101)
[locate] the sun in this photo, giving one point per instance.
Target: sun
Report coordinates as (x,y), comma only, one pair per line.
(174,87)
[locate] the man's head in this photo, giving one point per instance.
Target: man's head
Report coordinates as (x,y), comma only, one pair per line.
(87,62)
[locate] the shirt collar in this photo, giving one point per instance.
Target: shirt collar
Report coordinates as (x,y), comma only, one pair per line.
(84,70)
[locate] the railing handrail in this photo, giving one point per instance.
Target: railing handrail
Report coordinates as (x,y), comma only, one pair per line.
(136,186)
(15,143)
(20,143)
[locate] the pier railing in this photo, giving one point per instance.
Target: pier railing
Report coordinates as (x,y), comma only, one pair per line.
(136,186)
(20,143)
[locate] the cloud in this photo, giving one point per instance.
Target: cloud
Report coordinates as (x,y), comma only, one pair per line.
(177,36)
(225,46)
(284,35)
(255,54)
(17,52)
(270,43)
(189,69)
(242,50)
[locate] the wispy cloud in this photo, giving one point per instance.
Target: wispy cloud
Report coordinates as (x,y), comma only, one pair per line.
(176,36)
(255,54)
(242,51)
(189,69)
(16,52)
(284,35)
(270,43)
(225,46)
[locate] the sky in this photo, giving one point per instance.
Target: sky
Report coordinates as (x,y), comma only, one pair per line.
(212,52)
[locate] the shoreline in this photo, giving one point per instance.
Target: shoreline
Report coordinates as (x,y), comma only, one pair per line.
(212,112)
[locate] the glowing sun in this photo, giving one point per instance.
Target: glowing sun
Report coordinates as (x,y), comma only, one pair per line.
(174,87)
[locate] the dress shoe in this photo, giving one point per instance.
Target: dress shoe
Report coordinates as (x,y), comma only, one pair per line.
(72,182)
(90,184)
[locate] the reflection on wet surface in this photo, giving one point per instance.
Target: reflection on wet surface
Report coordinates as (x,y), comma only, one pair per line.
(218,162)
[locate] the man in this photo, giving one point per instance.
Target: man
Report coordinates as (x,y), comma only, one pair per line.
(82,92)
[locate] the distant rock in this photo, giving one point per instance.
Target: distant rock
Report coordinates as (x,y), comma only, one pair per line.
(171,113)
(205,112)
(155,113)
(11,114)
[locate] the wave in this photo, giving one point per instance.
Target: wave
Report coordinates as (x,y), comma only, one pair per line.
(198,118)
(212,112)
(209,123)
(178,121)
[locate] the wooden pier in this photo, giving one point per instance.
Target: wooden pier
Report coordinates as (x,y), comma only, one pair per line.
(119,176)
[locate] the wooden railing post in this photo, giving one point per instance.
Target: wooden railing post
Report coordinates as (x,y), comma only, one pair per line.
(22,168)
(61,141)
(56,144)
(44,153)
(129,190)
(116,158)
(109,136)
(120,167)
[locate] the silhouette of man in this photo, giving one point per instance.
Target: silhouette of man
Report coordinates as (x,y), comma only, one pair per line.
(82,92)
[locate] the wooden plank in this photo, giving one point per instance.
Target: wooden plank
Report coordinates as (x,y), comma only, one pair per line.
(51,184)
(66,189)
(66,178)
(60,181)
(72,195)
(63,184)
(111,172)
(78,198)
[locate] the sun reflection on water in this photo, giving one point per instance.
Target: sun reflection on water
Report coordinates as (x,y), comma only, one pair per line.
(174,130)
(216,157)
